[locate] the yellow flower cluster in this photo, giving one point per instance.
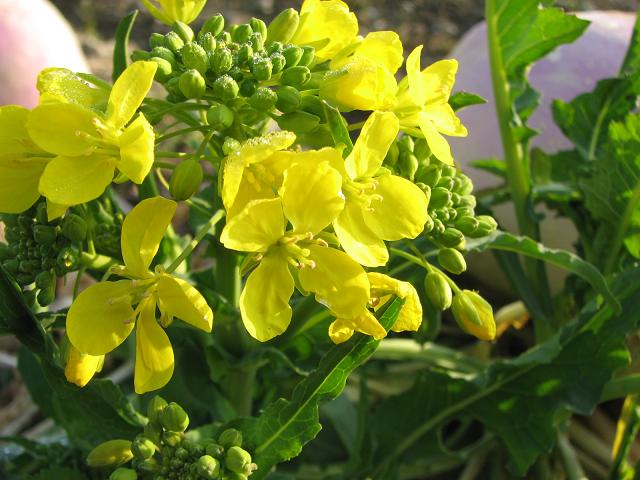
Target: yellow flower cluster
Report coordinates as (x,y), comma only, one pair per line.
(69,147)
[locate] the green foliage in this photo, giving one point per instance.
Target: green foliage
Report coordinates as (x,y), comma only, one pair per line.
(121,47)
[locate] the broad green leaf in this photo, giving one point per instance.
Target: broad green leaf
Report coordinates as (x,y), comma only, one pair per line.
(561,258)
(121,48)
(460,100)
(524,400)
(285,426)
(631,61)
(338,129)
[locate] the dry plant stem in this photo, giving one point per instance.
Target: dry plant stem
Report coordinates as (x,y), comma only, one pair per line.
(590,443)
(572,466)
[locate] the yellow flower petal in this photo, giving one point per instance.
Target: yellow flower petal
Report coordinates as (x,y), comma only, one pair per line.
(180,299)
(401,213)
(438,80)
(357,239)
(377,135)
(55,210)
(311,196)
(327,25)
(154,355)
(80,367)
(418,86)
(338,281)
(437,143)
(248,191)
(170,11)
(13,132)
(101,317)
(264,301)
(410,316)
(19,186)
(76,180)
(445,120)
(384,47)
(342,329)
(142,231)
(128,92)
(137,144)
(63,85)
(260,225)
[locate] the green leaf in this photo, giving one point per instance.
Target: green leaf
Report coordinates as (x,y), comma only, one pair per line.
(338,128)
(560,258)
(491,165)
(523,401)
(121,47)
(631,61)
(460,100)
(58,472)
(286,425)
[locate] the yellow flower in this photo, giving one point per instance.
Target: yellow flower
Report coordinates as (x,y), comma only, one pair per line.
(309,199)
(423,102)
(327,25)
(21,161)
(253,171)
(377,207)
(383,289)
(60,85)
(474,315)
(90,145)
(80,367)
(103,315)
(170,11)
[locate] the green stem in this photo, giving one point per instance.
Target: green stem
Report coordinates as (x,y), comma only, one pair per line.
(516,159)
(177,133)
(196,240)
(239,388)
(427,266)
(228,275)
(96,261)
(572,466)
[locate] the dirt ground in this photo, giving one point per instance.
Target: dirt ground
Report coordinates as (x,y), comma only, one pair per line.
(436,23)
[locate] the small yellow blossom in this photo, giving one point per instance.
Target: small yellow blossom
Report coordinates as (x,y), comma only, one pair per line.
(103,315)
(171,11)
(81,367)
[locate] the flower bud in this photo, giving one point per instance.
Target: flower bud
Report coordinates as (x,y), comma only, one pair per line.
(183,30)
(173,42)
(275,47)
(486,226)
(194,56)
(408,164)
(156,40)
(173,439)
(44,234)
(429,175)
(138,55)
(213,25)
(463,184)
(312,104)
(192,84)
(452,237)
(421,150)
(215,450)
(153,431)
(288,99)
(278,62)
(68,259)
(74,227)
(164,70)
(258,26)
(263,99)
(230,438)
(142,448)
(123,474)
(308,54)
(284,26)
(300,122)
(262,68)
(208,42)
(46,295)
(150,465)
(292,55)
(452,260)
(474,315)
(238,460)
(111,453)
(295,76)
(225,88)
(230,145)
(220,117)
(223,37)
(257,41)
(245,53)
(221,61)
(467,225)
(208,467)
(45,279)
(248,87)
(174,418)
(438,290)
(165,54)
(241,33)
(446,183)
(440,197)
(186,179)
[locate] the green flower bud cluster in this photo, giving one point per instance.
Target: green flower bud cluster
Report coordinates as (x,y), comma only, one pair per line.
(106,227)
(39,251)
(165,452)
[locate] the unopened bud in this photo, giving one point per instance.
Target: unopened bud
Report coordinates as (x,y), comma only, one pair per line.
(164,70)
(486,226)
(296,76)
(258,26)
(174,418)
(186,179)
(221,61)
(429,175)
(192,84)
(150,465)
(208,467)
(173,439)
(225,88)
(292,55)
(421,149)
(111,453)
(238,460)
(301,122)
(46,295)
(156,40)
(143,448)
(262,68)
(308,54)
(68,259)
(230,145)
(438,290)
(213,25)
(45,234)
(173,42)
(452,237)
(467,225)
(452,260)
(183,30)
(408,164)
(257,41)
(288,99)
(220,117)
(194,56)
(215,450)
(138,55)
(165,54)
(440,197)
(278,62)
(248,87)
(245,53)
(241,33)
(263,99)
(284,26)
(230,438)
(123,474)
(474,315)
(74,227)
(208,42)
